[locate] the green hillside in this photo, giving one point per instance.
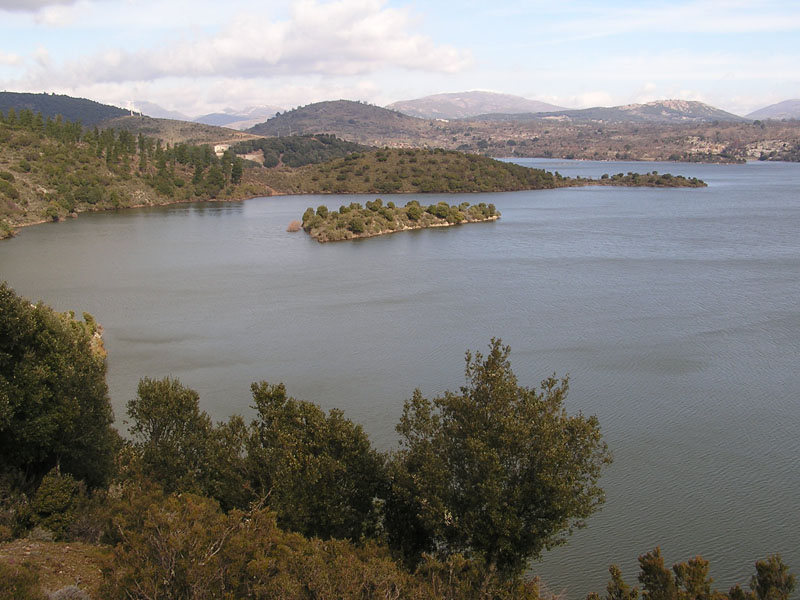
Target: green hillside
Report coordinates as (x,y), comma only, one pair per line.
(88,112)
(51,169)
(298,150)
(410,171)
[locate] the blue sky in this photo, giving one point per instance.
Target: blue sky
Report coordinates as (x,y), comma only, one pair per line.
(200,56)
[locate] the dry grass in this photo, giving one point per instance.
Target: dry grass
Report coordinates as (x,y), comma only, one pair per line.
(59,564)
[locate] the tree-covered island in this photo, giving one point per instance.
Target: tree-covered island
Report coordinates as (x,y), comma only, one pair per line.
(376,218)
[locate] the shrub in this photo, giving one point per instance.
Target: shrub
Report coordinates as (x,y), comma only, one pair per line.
(356,225)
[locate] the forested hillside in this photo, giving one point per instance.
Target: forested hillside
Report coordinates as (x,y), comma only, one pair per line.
(88,112)
(51,169)
(298,150)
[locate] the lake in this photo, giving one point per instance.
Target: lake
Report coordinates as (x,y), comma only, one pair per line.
(674,311)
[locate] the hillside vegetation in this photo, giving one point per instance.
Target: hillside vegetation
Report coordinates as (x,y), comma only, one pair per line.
(297,150)
(595,134)
(352,121)
(87,112)
(51,169)
(405,171)
(172,131)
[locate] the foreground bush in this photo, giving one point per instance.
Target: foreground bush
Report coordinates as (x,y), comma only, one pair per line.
(184,547)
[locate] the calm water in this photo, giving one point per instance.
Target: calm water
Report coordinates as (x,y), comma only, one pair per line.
(674,311)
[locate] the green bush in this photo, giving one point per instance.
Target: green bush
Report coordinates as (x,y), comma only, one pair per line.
(19,581)
(56,502)
(356,225)
(55,407)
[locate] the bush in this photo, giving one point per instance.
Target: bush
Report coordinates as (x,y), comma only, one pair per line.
(19,582)
(55,400)
(55,503)
(497,471)
(356,225)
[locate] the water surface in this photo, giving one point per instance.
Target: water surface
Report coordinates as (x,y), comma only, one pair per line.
(674,311)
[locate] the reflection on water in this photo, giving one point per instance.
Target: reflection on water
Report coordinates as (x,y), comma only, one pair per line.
(674,311)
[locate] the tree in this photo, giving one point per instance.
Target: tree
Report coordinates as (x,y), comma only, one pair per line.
(497,471)
(54,405)
(170,433)
(690,581)
(319,472)
(772,580)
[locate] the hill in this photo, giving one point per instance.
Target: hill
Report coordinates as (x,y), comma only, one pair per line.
(239,119)
(788,109)
(409,171)
(296,150)
(463,105)
(353,121)
(415,171)
(88,112)
(176,132)
(151,109)
(661,111)
(51,169)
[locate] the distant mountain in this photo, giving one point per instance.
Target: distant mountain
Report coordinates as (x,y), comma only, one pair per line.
(463,105)
(661,111)
(788,109)
(151,109)
(88,112)
(353,121)
(239,119)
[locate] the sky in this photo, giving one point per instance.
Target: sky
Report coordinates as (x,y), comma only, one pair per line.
(199,56)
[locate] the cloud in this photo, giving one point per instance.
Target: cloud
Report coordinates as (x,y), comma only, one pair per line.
(340,38)
(9,58)
(31,5)
(693,17)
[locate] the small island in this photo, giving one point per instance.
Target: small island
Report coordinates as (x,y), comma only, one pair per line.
(376,218)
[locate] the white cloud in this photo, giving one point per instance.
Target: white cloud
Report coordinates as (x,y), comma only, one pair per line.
(340,38)
(31,5)
(42,56)
(696,16)
(588,99)
(9,58)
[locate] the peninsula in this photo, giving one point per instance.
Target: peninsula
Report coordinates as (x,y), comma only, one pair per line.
(376,218)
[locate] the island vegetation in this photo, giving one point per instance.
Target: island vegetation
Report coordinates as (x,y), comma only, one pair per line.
(295,504)
(376,218)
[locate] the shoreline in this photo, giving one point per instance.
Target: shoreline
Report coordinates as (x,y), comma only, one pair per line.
(271,192)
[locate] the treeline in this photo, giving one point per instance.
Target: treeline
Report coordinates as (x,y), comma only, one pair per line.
(87,112)
(389,171)
(298,150)
(377,218)
(654,179)
(297,503)
(51,168)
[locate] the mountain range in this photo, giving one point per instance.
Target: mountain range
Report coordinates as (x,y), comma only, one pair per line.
(660,111)
(463,105)
(788,109)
